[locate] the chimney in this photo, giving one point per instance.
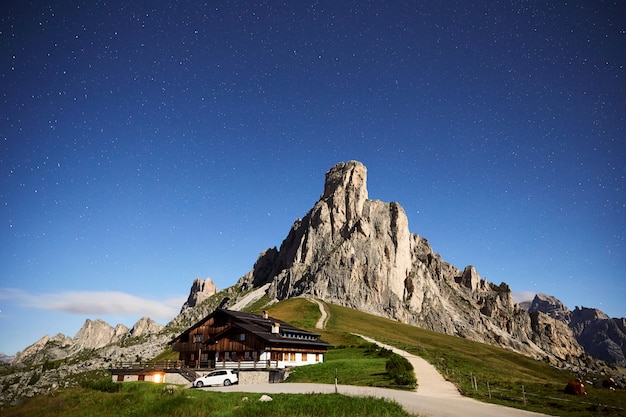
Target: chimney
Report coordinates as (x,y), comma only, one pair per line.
(276,328)
(265,315)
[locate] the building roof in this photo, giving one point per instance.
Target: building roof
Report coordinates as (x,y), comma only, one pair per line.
(262,328)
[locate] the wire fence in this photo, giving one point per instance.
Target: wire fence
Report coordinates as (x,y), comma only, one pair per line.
(471,385)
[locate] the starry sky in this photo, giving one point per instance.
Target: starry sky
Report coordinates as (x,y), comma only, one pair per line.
(144,144)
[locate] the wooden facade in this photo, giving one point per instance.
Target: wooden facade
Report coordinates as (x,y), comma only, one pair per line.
(228,338)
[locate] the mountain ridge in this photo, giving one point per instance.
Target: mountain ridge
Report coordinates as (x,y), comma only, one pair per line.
(601,336)
(359,253)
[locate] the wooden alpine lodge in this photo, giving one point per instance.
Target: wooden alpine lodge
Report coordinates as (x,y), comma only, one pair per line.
(238,340)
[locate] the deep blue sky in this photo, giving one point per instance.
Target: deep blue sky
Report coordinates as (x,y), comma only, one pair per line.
(144,144)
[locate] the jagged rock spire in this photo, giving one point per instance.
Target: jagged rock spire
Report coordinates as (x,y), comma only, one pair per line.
(359,253)
(200,291)
(345,192)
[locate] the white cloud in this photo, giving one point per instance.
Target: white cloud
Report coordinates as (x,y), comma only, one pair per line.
(520,296)
(95,303)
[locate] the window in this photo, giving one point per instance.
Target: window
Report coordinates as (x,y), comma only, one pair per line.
(242,337)
(198,338)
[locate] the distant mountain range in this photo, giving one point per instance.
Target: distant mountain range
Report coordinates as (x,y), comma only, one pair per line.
(601,336)
(359,253)
(4,358)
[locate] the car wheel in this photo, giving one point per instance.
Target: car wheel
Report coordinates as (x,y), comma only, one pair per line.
(199,384)
(227,382)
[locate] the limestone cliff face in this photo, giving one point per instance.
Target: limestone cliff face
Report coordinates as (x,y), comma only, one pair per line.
(359,253)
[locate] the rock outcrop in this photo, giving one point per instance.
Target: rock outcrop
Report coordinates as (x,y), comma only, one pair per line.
(95,334)
(54,348)
(551,306)
(359,253)
(145,325)
(601,336)
(200,291)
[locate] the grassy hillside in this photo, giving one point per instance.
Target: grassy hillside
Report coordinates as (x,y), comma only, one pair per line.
(479,370)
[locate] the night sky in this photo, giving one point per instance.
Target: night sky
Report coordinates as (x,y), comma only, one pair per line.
(144,144)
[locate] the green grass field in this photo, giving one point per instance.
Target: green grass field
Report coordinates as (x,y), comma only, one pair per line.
(352,366)
(144,399)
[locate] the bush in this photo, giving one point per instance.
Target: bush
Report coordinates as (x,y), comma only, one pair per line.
(103,385)
(34,378)
(374,349)
(400,370)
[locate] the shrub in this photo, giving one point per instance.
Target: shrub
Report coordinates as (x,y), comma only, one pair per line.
(103,385)
(34,378)
(400,370)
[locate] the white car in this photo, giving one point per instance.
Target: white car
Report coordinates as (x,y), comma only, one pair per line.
(221,377)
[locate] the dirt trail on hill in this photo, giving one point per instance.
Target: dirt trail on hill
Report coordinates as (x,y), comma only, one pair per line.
(321,323)
(429,380)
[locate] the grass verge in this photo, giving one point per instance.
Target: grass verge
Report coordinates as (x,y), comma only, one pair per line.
(141,399)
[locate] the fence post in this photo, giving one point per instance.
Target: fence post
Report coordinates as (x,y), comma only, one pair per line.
(523,395)
(488,390)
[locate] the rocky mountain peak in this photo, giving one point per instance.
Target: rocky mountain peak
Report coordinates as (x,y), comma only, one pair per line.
(200,291)
(470,279)
(359,253)
(602,337)
(94,334)
(4,358)
(59,341)
(345,193)
(145,325)
(581,314)
(120,331)
(551,306)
